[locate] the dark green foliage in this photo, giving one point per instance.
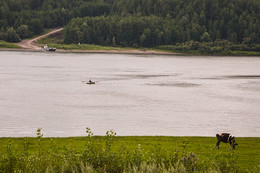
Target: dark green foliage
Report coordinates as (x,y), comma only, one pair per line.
(221,47)
(91,9)
(124,31)
(149,23)
(23,31)
(36,26)
(39,14)
(205,37)
(146,23)
(11,35)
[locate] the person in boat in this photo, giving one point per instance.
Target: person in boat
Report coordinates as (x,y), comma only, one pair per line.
(90,82)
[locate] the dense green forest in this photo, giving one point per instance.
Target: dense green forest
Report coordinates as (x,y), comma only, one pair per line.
(24,18)
(135,23)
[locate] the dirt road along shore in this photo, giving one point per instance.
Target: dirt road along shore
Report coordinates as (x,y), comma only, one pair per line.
(32,45)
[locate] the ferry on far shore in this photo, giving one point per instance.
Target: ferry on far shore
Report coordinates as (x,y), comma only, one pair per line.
(46,48)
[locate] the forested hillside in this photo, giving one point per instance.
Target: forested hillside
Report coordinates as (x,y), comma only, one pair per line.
(134,23)
(24,18)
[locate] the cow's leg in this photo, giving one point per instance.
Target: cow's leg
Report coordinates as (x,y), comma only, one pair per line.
(232,144)
(217,145)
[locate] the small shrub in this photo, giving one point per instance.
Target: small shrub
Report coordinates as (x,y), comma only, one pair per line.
(226,162)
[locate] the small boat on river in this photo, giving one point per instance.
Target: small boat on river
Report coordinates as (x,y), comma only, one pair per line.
(90,82)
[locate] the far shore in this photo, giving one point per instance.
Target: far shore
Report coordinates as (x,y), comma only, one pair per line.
(128,51)
(144,52)
(32,46)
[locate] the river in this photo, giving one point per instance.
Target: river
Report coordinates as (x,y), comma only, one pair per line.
(134,94)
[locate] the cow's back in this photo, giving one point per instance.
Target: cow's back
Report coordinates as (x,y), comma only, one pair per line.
(223,137)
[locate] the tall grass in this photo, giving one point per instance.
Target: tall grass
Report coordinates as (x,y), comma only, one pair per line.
(102,156)
(4,44)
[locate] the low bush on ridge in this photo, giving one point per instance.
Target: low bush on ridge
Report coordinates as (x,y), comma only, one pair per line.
(100,156)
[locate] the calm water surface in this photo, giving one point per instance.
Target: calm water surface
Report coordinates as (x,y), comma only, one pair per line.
(134,94)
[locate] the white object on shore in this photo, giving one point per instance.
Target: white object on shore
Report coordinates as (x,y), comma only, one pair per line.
(46,48)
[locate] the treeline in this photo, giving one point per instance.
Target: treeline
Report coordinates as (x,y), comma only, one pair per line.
(232,20)
(151,23)
(146,31)
(23,18)
(136,22)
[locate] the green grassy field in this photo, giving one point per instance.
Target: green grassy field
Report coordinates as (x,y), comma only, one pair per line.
(112,154)
(4,44)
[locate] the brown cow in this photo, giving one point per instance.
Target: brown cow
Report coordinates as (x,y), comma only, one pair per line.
(226,138)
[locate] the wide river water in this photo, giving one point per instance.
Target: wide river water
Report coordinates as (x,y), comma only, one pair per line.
(133,95)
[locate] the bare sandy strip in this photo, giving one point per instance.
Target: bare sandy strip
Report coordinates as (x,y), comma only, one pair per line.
(31,45)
